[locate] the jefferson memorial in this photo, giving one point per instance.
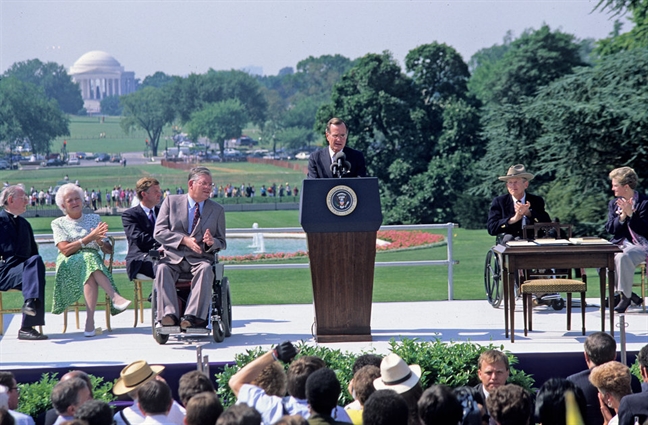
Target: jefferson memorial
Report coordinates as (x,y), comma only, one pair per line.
(99,76)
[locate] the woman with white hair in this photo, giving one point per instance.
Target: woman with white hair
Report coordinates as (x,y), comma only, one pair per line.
(79,265)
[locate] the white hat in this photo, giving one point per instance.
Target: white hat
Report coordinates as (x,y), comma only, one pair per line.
(396,375)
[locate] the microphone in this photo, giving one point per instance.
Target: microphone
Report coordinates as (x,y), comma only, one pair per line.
(339,165)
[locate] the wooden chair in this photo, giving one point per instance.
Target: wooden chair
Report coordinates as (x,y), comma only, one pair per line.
(106,303)
(139,299)
(4,311)
(642,284)
(551,281)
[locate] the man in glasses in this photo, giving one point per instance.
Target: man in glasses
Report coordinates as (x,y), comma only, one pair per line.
(21,267)
(328,163)
(191,229)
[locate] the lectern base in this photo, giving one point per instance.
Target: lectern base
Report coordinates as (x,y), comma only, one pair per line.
(343,338)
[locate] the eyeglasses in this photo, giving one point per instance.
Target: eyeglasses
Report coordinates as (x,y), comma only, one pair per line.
(205,184)
(338,136)
(17,389)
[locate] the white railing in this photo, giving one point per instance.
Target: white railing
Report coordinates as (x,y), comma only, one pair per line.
(449,261)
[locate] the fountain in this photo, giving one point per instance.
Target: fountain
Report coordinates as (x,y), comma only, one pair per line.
(257,240)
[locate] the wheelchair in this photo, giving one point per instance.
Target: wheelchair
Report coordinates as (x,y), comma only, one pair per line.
(220,316)
(493,267)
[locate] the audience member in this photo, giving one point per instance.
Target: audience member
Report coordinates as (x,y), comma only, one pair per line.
(8,380)
(192,383)
(636,405)
(95,412)
(272,408)
(67,396)
(510,405)
(322,392)
(396,375)
(239,414)
(362,388)
(203,408)
(5,417)
(155,401)
(472,404)
(493,371)
(360,362)
(599,348)
(551,406)
(49,417)
(439,406)
(612,379)
(385,407)
(131,378)
(272,380)
(292,420)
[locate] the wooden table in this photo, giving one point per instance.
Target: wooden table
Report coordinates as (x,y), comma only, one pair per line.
(516,258)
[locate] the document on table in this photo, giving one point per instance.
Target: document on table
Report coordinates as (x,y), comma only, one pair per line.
(590,241)
(521,243)
(552,242)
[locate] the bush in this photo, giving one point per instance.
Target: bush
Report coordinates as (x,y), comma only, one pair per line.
(35,398)
(453,364)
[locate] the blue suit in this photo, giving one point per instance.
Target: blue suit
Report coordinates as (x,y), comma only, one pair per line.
(319,164)
(21,267)
(139,232)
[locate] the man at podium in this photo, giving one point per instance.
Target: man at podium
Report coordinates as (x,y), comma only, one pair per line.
(336,160)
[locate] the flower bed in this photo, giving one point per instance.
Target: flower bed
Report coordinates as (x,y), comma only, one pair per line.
(396,240)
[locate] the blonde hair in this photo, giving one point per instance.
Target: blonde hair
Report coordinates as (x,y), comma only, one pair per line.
(625,176)
(612,378)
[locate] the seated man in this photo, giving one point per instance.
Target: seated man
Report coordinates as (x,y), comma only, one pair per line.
(191,230)
(139,223)
(509,213)
(20,265)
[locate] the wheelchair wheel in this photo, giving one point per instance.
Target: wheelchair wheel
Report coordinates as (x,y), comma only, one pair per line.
(493,279)
(159,338)
(558,304)
(226,308)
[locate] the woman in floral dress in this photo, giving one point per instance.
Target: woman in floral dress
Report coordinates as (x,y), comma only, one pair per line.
(79,265)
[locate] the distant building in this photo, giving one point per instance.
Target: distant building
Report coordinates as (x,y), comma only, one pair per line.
(99,76)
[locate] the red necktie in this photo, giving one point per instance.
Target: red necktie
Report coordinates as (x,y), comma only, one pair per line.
(196,217)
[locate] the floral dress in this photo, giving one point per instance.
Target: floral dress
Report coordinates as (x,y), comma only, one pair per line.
(72,272)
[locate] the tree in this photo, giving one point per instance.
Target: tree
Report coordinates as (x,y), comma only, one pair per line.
(219,121)
(110,106)
(54,80)
(149,109)
(636,38)
(27,113)
(158,80)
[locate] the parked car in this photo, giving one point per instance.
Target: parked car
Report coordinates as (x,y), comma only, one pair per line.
(102,157)
(80,155)
(116,158)
(54,162)
(4,165)
(73,160)
(302,155)
(90,155)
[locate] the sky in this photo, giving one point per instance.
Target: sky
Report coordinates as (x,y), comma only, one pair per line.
(180,37)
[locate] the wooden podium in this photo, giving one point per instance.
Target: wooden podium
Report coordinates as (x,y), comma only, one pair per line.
(341,218)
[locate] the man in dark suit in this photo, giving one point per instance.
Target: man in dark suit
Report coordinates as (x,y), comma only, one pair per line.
(508,213)
(636,404)
(139,223)
(600,348)
(21,267)
(191,230)
(320,162)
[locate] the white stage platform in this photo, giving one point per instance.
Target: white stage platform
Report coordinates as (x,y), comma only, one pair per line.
(254,326)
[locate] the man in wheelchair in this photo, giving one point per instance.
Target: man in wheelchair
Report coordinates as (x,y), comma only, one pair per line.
(191,230)
(509,213)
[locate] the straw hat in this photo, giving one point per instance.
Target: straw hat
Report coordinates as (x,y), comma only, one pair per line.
(517,171)
(396,375)
(134,375)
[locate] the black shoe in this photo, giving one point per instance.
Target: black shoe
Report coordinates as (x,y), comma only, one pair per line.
(191,321)
(30,334)
(623,305)
(29,308)
(169,320)
(636,299)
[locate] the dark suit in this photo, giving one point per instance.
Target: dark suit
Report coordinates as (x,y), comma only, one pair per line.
(319,164)
(171,227)
(139,232)
(20,265)
(581,380)
(503,208)
(631,406)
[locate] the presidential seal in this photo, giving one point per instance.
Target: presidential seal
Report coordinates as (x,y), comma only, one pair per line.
(341,200)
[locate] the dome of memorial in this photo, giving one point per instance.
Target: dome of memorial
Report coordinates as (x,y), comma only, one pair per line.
(94,61)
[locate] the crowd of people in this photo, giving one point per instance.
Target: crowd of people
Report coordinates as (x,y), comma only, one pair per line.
(386,391)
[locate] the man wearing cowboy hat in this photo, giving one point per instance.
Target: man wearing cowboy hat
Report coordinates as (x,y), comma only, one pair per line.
(131,378)
(508,213)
